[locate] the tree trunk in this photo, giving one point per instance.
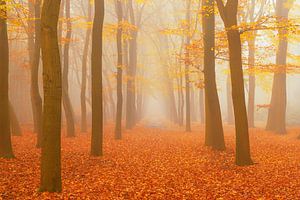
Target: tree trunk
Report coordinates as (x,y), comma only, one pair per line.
(118,127)
(84,73)
(36,98)
(201,106)
(277,111)
(238,98)
(251,97)
(14,122)
(97,99)
(69,113)
(131,73)
(229,16)
(230,117)
(214,136)
(187,75)
(5,134)
(52,84)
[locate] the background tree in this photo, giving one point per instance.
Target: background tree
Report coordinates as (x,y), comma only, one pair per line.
(277,111)
(118,128)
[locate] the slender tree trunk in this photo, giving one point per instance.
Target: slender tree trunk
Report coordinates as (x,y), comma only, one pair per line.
(230,117)
(251,97)
(69,113)
(187,75)
(36,98)
(5,134)
(97,99)
(201,106)
(277,111)
(84,73)
(31,49)
(131,73)
(14,122)
(118,127)
(52,84)
(214,135)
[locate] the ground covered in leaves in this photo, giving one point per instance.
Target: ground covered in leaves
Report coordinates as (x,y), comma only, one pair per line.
(150,163)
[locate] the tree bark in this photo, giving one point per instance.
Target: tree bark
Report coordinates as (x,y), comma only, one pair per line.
(131,73)
(118,127)
(229,16)
(277,111)
(84,73)
(230,116)
(52,84)
(69,113)
(97,99)
(214,136)
(36,98)
(5,133)
(14,122)
(187,76)
(251,97)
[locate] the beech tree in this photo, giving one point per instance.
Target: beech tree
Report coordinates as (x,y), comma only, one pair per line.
(118,128)
(36,98)
(277,111)
(214,135)
(84,72)
(70,122)
(228,14)
(52,84)
(5,132)
(97,100)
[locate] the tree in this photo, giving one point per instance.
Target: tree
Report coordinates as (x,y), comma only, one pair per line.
(118,128)
(52,84)
(5,133)
(84,72)
(214,135)
(131,72)
(277,111)
(97,100)
(228,14)
(187,77)
(36,98)
(65,92)
(14,122)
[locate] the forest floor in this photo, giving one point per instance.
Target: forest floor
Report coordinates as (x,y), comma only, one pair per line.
(151,163)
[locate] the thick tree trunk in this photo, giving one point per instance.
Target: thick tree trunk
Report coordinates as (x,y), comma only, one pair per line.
(84,73)
(5,134)
(52,84)
(14,122)
(118,127)
(277,111)
(228,14)
(251,97)
(69,113)
(214,136)
(97,99)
